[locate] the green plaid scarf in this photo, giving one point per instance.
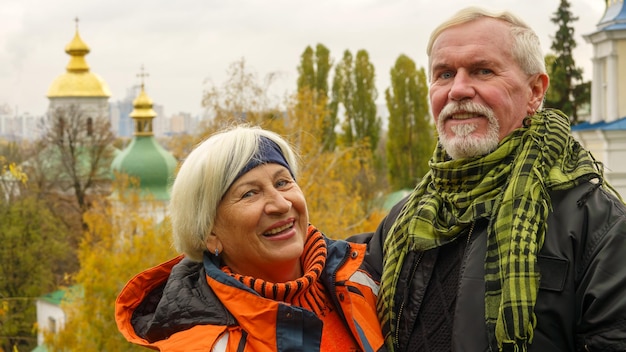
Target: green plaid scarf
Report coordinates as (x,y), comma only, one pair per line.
(510,188)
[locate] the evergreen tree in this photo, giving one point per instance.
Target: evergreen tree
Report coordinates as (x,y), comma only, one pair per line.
(410,139)
(565,77)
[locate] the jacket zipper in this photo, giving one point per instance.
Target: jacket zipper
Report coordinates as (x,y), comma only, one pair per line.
(400,311)
(413,270)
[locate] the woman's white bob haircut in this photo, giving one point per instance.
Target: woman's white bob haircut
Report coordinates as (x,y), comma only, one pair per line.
(205,176)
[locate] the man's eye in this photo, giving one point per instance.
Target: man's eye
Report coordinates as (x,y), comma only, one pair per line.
(485,71)
(446,75)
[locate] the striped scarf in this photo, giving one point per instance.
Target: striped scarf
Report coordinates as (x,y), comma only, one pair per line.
(510,188)
(306,291)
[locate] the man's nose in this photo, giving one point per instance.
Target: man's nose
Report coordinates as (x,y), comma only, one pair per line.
(462,86)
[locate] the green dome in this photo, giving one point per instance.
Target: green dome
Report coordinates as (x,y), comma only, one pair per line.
(144,158)
(150,163)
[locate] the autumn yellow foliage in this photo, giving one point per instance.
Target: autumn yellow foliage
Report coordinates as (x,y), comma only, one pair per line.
(336,183)
(125,236)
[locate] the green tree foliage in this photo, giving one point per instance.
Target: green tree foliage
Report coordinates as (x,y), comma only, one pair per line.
(314,68)
(553,95)
(33,244)
(354,93)
(342,87)
(567,91)
(123,239)
(410,139)
(354,89)
(313,76)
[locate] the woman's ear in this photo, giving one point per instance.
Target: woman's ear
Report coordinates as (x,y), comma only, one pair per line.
(213,244)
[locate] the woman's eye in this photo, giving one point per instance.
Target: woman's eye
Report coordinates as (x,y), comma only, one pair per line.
(248,194)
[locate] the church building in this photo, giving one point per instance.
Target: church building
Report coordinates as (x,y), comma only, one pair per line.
(605,132)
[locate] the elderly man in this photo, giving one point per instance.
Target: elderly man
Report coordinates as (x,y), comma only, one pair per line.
(513,241)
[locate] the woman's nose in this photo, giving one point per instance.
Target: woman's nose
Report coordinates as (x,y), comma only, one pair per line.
(277,203)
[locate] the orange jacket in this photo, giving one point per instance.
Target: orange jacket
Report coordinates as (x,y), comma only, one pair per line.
(172,308)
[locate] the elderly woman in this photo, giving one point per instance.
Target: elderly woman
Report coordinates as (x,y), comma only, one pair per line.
(255,275)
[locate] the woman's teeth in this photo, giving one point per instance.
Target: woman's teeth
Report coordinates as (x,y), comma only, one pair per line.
(278,229)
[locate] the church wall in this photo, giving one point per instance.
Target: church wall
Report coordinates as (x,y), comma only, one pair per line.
(604,101)
(609,148)
(594,142)
(50,318)
(91,106)
(616,150)
(621,77)
(600,101)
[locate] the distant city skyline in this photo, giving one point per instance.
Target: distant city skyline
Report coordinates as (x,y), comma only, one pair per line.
(188,47)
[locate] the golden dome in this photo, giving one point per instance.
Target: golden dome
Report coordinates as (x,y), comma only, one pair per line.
(142,112)
(78,81)
(142,106)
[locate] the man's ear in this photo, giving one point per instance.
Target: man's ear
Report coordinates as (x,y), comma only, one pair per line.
(538,87)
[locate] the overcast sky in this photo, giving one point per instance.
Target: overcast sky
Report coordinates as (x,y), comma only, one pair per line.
(186,46)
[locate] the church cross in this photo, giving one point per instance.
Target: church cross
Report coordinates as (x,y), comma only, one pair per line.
(142,75)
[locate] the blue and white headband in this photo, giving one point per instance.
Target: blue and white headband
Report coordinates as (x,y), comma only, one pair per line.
(268,152)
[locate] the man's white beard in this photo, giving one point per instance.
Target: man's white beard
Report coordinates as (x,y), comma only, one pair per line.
(463,144)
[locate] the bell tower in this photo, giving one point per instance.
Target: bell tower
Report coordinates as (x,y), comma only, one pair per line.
(608,85)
